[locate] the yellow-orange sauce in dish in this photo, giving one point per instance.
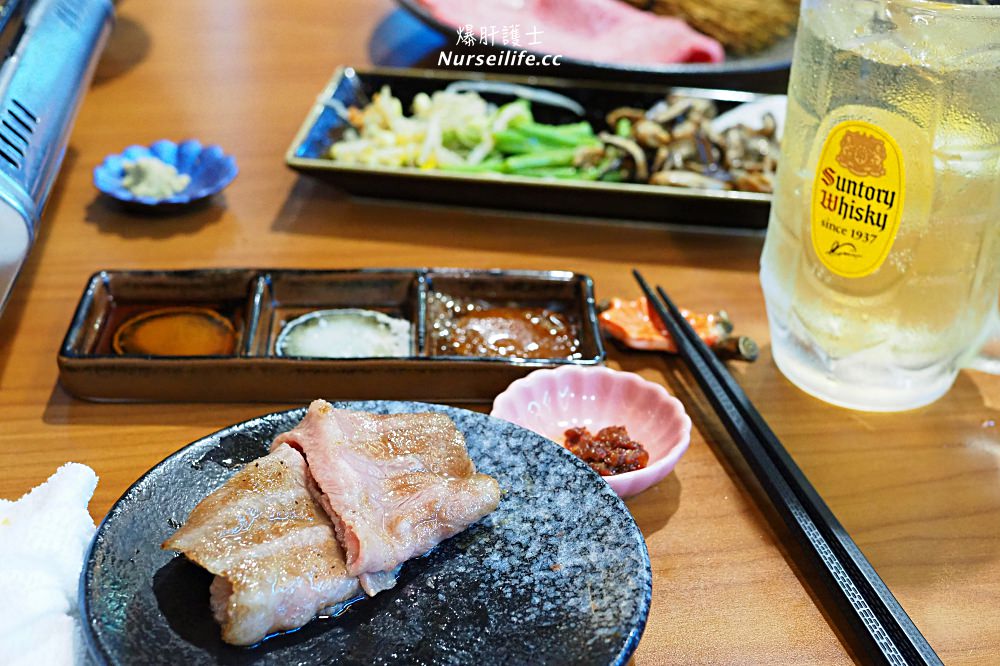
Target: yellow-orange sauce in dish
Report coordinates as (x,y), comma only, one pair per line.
(175,331)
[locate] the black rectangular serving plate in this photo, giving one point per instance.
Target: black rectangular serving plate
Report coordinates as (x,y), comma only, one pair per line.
(617,201)
(260,301)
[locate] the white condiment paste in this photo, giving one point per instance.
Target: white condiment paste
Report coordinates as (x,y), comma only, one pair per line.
(347,333)
(152,177)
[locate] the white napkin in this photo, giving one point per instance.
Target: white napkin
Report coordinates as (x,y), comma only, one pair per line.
(43,539)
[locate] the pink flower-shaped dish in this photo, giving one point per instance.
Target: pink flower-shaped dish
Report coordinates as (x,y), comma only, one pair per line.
(551,401)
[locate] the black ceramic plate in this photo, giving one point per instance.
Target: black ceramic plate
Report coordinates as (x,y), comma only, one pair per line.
(764,71)
(558,574)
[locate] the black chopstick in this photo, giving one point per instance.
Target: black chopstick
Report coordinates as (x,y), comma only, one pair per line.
(878,620)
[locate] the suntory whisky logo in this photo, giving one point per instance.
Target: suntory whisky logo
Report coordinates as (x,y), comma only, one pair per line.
(857,198)
(862,154)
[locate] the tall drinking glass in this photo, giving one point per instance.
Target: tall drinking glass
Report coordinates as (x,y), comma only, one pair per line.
(881,267)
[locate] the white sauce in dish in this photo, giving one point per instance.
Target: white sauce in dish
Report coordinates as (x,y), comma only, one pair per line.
(345,333)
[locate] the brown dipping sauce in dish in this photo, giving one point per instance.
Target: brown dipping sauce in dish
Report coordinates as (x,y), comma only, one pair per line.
(512,333)
(176,331)
(611,451)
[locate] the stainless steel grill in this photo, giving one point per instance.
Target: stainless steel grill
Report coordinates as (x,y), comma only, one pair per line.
(50,48)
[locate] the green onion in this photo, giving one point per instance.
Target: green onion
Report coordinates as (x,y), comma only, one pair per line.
(512,142)
(514,113)
(558,135)
(542,158)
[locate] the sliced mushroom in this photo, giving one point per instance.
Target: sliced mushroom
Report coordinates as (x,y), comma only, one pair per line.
(708,154)
(735,147)
(688,179)
(660,159)
(633,150)
(703,108)
(761,146)
(588,156)
(754,182)
(713,171)
(686,128)
(670,109)
(769,125)
(675,141)
(650,134)
(682,149)
(713,136)
(628,112)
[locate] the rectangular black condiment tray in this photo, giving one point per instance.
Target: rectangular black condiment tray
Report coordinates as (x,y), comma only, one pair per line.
(260,302)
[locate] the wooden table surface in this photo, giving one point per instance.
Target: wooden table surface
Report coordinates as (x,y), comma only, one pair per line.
(920,491)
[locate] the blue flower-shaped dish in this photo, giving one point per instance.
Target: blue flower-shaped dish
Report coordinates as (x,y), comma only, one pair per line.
(209,167)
